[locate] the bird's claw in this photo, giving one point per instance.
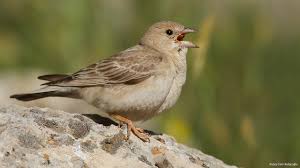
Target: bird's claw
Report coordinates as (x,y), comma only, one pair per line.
(140,133)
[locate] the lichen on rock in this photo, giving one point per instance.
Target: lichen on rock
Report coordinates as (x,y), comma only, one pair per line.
(42,137)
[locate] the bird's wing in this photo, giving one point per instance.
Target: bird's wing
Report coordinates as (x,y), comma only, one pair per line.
(129,67)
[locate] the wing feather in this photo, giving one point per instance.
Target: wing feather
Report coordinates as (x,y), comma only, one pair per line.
(128,67)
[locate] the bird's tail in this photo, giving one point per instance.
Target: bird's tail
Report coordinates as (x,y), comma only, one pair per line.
(32,96)
(45,92)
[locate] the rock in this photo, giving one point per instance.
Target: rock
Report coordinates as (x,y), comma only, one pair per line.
(42,137)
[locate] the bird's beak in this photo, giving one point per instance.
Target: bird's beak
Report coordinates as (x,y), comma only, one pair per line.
(186,44)
(188,30)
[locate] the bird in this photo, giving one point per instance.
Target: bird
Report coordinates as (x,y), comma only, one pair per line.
(133,85)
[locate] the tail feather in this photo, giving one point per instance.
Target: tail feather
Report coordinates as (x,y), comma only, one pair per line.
(47,92)
(53,77)
(32,96)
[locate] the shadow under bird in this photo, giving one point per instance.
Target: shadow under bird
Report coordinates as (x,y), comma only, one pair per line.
(132,85)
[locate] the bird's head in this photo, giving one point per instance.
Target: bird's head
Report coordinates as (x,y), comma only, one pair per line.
(167,36)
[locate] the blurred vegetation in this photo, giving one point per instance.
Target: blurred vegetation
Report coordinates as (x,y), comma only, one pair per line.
(241,99)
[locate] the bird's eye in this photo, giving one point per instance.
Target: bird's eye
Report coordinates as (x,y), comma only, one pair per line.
(169,32)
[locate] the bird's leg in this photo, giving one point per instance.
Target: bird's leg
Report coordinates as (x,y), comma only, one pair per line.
(119,124)
(130,127)
(141,130)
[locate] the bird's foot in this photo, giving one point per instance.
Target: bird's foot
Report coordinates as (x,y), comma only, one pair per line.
(139,132)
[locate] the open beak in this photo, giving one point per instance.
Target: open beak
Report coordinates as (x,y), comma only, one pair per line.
(188,30)
(186,44)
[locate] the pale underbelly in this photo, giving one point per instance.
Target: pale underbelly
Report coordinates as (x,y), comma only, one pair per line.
(136,102)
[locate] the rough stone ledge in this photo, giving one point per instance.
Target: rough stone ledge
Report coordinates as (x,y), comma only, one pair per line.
(42,137)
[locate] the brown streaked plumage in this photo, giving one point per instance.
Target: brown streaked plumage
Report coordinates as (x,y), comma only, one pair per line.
(125,67)
(135,84)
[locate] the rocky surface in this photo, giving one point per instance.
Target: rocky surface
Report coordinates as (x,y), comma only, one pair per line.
(42,137)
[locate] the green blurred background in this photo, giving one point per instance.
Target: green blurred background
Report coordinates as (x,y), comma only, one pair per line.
(241,99)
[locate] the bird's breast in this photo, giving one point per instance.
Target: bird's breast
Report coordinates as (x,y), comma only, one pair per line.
(179,70)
